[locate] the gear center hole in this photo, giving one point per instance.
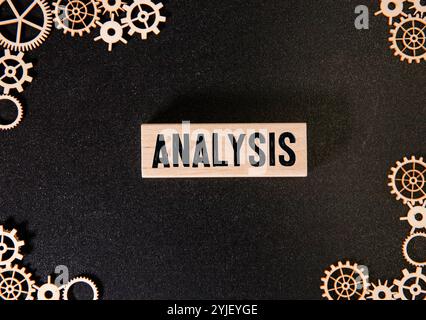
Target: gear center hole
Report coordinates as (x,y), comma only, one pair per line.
(419,217)
(391,6)
(48,295)
(111,32)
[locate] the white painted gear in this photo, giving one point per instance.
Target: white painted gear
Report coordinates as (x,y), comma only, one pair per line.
(84,280)
(408,180)
(412,286)
(76,16)
(143,17)
(111,32)
(16,284)
(42,30)
(405,249)
(9,247)
(416,217)
(13,124)
(345,282)
(418,6)
(381,291)
(48,291)
(391,9)
(408,38)
(112,7)
(14,71)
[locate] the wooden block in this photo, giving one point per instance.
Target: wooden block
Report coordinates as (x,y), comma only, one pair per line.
(190,150)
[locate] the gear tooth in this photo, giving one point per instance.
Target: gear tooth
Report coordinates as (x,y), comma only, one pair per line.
(162,19)
(19,256)
(20,55)
(156,30)
(13,232)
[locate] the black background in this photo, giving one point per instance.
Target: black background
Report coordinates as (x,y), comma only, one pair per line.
(70,174)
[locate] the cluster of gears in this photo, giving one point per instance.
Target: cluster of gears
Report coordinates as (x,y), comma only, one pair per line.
(17,284)
(407,19)
(346,281)
(25,25)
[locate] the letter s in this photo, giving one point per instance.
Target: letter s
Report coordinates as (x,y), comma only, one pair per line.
(292,156)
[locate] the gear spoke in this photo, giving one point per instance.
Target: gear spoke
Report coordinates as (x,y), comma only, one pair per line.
(33,25)
(12,6)
(7,22)
(28,9)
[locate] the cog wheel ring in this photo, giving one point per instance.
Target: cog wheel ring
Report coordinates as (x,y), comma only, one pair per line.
(84,280)
(15,71)
(405,249)
(345,282)
(412,285)
(143,17)
(9,246)
(408,180)
(76,16)
(20,19)
(14,123)
(408,39)
(16,284)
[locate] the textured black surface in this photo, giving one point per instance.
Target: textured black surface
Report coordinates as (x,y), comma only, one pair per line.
(70,174)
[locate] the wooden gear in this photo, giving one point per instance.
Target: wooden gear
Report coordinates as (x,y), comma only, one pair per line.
(42,30)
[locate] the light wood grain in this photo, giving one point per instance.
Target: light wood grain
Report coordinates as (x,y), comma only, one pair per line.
(150,132)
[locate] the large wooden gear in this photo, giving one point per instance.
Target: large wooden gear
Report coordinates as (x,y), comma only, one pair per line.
(17,40)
